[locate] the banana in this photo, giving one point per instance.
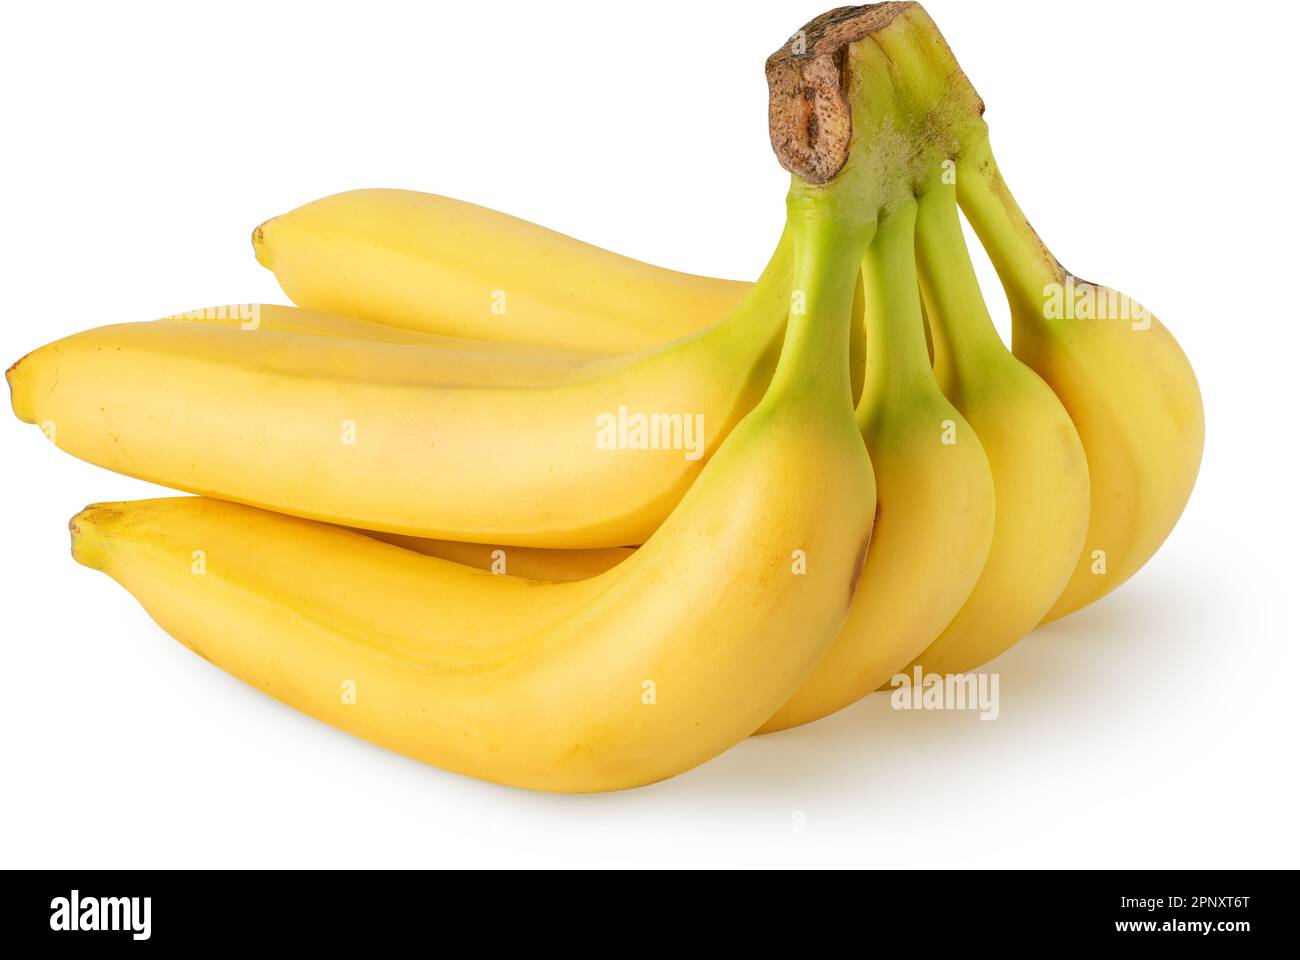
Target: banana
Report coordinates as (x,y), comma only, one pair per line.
(620,680)
(432,263)
(521,444)
(1125,381)
(405,438)
(1040,473)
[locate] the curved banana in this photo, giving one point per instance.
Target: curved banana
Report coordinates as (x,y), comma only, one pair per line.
(1040,474)
(407,438)
(627,678)
(432,263)
(512,443)
(1120,373)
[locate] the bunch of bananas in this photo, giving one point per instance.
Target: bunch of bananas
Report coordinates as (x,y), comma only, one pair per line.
(540,514)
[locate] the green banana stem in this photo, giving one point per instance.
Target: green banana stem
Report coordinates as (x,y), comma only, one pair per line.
(960,321)
(886,73)
(814,361)
(865,102)
(898,358)
(1025,266)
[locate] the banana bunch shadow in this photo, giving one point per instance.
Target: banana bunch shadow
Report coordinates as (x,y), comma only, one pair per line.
(540,514)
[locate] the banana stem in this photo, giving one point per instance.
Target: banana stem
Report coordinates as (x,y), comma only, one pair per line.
(962,329)
(828,251)
(898,358)
(1026,267)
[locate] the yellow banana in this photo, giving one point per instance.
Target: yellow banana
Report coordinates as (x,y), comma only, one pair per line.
(432,263)
(407,438)
(512,443)
(620,680)
(1122,376)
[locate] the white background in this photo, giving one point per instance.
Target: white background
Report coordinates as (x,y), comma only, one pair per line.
(1152,145)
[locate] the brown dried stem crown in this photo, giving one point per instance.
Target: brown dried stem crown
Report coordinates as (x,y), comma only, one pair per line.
(809,115)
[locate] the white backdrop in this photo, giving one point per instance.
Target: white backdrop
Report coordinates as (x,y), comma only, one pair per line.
(1152,145)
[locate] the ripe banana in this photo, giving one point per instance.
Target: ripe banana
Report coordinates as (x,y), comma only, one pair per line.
(638,674)
(1040,474)
(400,437)
(521,444)
(1122,376)
(432,263)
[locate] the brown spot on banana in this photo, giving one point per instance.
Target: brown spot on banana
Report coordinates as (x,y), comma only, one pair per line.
(861,560)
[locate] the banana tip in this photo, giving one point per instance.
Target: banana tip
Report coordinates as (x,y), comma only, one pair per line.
(83,530)
(15,376)
(260,247)
(13,369)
